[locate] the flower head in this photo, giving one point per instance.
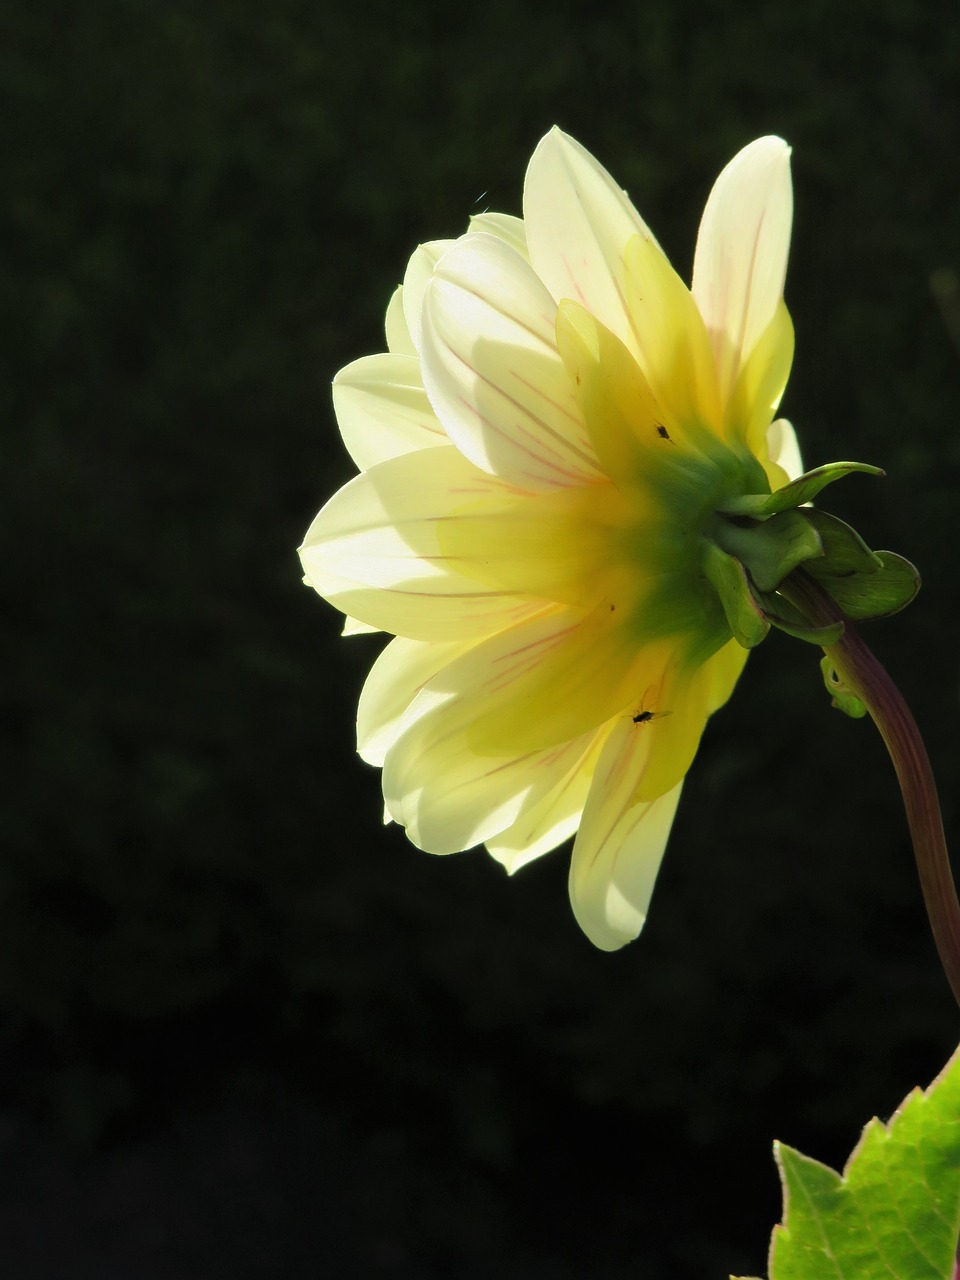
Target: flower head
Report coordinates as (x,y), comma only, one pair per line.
(543,451)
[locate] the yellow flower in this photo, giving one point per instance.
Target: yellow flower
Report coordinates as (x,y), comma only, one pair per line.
(541,452)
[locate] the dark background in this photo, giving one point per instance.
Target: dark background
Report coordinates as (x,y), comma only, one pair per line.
(246,1031)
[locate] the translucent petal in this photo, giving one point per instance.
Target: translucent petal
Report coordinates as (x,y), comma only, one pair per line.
(375,550)
(352,627)
(395,326)
(448,797)
(395,679)
(622,417)
(578,223)
(383,410)
(761,383)
(620,843)
(542,826)
(725,670)
(416,278)
(492,371)
(673,346)
(784,449)
(555,677)
(741,257)
(681,702)
(505,227)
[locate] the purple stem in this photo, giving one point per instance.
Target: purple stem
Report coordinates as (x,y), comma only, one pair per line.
(861,674)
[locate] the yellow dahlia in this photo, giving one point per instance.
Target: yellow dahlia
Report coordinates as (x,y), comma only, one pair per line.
(543,450)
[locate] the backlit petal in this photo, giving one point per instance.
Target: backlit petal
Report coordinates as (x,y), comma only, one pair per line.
(741,258)
(492,370)
(505,227)
(681,702)
(395,679)
(448,797)
(353,627)
(620,843)
(760,383)
(673,345)
(541,826)
(578,223)
(395,326)
(784,448)
(375,550)
(415,280)
(621,414)
(556,676)
(383,410)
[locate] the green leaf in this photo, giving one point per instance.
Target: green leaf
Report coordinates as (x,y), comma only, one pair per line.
(804,489)
(895,1212)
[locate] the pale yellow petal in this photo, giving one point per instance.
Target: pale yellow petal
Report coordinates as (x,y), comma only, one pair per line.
(681,701)
(353,627)
(672,343)
(505,227)
(395,679)
(741,258)
(555,677)
(623,419)
(784,449)
(725,669)
(621,842)
(395,326)
(578,223)
(447,796)
(416,278)
(492,370)
(540,827)
(375,550)
(383,410)
(760,383)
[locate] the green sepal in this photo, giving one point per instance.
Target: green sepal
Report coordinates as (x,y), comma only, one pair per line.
(729,579)
(772,549)
(804,489)
(780,613)
(876,594)
(844,551)
(840,696)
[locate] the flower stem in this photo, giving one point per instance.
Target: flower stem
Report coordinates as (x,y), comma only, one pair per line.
(862,675)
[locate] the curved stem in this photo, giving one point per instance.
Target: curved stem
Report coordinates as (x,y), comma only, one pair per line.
(861,673)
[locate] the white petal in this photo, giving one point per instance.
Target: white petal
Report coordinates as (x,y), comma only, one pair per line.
(395,679)
(578,224)
(741,258)
(492,370)
(383,410)
(785,448)
(504,226)
(395,326)
(620,844)
(416,278)
(375,550)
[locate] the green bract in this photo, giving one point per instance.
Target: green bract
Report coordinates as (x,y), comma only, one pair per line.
(755,542)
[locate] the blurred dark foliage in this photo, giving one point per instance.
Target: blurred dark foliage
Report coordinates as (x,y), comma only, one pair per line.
(246,1030)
